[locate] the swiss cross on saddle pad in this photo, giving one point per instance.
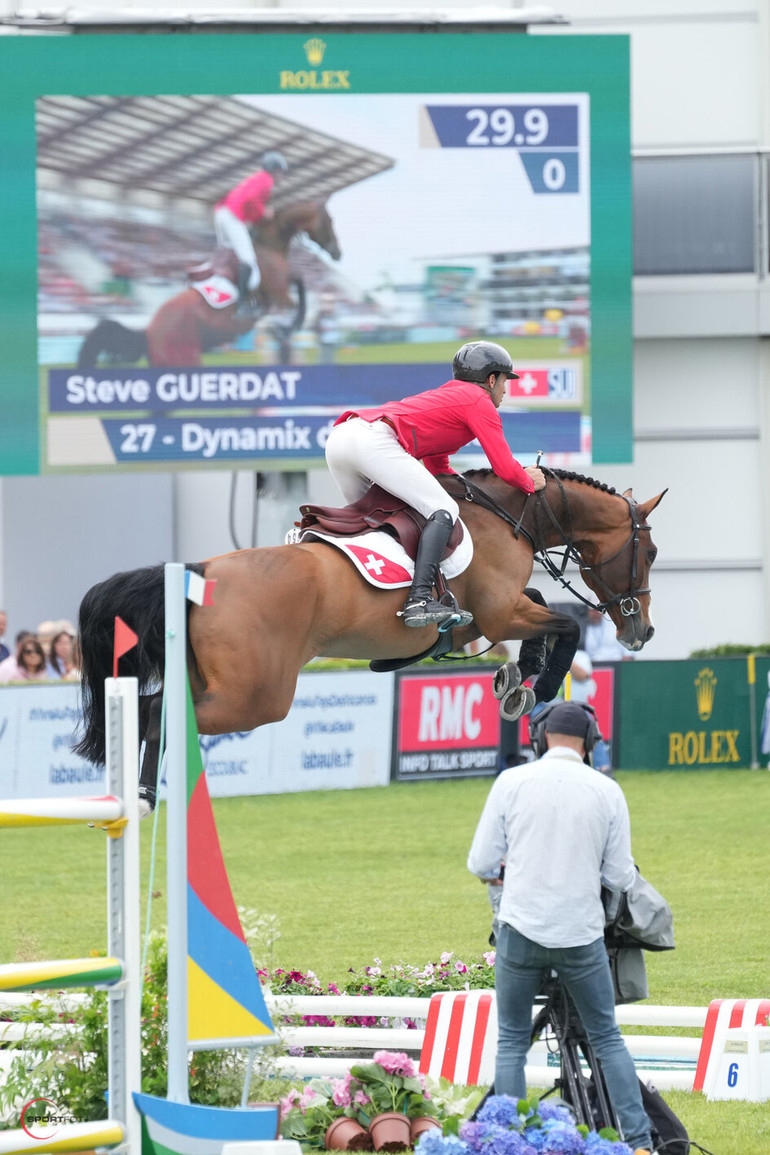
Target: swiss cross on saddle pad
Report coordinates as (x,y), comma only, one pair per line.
(217,291)
(374,566)
(384,562)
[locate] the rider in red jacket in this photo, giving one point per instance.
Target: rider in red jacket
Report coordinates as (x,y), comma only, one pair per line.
(246,205)
(403,445)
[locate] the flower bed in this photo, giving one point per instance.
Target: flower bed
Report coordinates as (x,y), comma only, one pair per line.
(390,1084)
(401,980)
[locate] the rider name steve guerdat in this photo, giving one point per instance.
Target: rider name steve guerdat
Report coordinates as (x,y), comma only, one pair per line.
(171,388)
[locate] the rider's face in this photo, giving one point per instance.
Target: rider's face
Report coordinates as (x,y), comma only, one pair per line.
(497,392)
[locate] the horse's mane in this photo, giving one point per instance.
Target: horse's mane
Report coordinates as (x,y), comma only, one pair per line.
(562,474)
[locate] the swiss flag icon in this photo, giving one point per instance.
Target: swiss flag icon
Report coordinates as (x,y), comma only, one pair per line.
(217,296)
(382,569)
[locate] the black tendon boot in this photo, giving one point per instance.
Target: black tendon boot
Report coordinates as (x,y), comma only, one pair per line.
(421,608)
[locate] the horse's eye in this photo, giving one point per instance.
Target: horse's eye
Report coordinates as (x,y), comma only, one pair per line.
(651,555)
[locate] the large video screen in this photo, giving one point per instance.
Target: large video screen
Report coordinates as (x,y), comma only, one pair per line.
(217,244)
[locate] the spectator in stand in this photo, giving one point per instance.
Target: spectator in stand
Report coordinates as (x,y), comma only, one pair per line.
(4,651)
(29,663)
(61,656)
(600,642)
(45,633)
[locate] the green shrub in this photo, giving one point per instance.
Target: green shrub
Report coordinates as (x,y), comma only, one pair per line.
(732,650)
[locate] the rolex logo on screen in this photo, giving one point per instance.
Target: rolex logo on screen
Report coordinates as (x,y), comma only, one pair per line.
(314,50)
(315,78)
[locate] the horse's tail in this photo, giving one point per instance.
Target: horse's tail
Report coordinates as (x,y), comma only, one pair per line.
(111,337)
(138,598)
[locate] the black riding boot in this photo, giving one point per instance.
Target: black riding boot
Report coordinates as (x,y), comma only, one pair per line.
(245,306)
(421,608)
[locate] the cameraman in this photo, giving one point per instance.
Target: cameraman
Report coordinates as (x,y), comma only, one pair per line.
(562,831)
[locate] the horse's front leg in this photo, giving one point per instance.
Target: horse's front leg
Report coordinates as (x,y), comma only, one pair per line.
(533,622)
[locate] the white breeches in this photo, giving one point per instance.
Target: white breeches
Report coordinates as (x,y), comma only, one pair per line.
(233,234)
(360,453)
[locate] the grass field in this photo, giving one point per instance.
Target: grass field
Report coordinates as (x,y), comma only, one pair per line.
(381,873)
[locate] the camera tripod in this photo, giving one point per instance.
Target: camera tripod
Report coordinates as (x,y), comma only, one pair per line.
(586,1094)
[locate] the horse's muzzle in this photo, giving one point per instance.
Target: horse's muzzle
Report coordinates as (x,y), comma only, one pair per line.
(636,633)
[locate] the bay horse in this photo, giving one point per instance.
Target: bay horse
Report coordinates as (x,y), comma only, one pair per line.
(277,607)
(186,326)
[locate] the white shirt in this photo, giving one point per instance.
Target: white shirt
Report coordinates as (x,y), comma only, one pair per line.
(562,830)
(601,643)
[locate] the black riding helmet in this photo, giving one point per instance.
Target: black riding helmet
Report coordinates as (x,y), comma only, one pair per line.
(476,360)
(274,161)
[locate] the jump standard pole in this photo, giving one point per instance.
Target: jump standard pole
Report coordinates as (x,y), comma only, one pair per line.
(176,828)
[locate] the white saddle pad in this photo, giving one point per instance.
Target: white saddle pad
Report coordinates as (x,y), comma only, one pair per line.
(384,562)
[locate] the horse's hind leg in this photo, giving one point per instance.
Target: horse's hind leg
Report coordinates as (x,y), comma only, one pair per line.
(150,712)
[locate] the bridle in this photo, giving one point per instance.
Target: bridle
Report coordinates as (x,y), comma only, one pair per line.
(628,602)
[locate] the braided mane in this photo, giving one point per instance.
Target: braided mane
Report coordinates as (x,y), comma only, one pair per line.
(562,474)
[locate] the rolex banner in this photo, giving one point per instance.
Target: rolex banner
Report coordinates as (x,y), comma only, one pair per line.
(698,714)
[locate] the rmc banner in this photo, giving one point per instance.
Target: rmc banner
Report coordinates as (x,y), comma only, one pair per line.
(423,204)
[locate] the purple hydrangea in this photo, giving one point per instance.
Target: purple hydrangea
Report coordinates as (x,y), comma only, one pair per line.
(501,1110)
(434,1143)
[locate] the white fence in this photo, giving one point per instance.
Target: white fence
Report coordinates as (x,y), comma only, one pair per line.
(669,1061)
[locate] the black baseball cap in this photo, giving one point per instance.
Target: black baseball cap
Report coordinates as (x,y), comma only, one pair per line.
(568,718)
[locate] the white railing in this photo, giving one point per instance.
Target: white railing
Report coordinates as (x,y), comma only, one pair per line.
(668,1060)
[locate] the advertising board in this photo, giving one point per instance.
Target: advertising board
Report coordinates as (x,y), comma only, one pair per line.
(423,205)
(447,725)
(700,714)
(336,737)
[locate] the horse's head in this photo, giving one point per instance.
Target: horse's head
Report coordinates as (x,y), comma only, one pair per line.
(322,232)
(615,564)
(311,217)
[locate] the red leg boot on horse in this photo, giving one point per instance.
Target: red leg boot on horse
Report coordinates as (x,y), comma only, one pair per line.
(421,608)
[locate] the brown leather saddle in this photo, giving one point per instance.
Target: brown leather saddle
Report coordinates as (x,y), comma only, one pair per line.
(222,263)
(377,509)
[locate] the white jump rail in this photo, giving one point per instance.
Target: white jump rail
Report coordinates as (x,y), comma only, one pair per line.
(117,813)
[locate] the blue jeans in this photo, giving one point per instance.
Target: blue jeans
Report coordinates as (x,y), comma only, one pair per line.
(585,972)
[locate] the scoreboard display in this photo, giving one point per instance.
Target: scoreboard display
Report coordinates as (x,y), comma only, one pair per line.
(459,211)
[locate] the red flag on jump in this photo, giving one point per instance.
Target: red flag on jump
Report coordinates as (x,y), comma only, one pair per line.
(125,640)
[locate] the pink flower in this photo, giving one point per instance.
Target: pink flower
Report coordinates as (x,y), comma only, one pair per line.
(361,1098)
(446,955)
(460,967)
(341,1091)
(306,1099)
(489,957)
(396,1062)
(289,1101)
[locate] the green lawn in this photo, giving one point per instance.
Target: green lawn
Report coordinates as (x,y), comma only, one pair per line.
(381,873)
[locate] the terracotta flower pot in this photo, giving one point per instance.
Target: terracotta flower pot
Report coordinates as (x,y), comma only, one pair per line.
(346,1134)
(420,1124)
(390,1132)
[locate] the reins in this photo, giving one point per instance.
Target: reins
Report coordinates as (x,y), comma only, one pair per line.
(628,602)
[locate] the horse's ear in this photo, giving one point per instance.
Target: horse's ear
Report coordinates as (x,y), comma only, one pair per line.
(629,493)
(648,506)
